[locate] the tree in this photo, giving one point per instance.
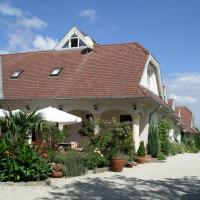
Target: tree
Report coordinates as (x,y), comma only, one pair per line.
(141,150)
(164,128)
(153,147)
(21,124)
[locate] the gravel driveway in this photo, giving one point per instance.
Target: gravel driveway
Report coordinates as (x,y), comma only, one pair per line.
(177,178)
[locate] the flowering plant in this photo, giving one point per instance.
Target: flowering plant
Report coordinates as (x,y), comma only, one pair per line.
(56,167)
(98,152)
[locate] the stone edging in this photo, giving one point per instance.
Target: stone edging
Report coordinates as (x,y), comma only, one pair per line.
(97,170)
(31,183)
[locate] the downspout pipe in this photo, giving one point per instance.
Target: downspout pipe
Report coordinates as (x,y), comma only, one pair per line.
(151,114)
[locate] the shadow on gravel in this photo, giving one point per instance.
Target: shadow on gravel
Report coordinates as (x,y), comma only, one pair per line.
(129,188)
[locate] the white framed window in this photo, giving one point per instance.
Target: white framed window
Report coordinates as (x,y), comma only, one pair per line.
(56,71)
(16,74)
(74,42)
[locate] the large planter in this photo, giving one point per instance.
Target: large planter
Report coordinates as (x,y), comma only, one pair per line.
(57,174)
(143,159)
(117,164)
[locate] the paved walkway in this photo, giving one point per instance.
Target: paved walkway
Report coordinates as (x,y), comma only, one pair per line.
(177,178)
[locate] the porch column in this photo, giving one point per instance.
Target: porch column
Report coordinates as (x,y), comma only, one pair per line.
(136,131)
(96,123)
(60,126)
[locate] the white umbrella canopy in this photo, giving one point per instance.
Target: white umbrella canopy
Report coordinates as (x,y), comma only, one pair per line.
(55,115)
(3,113)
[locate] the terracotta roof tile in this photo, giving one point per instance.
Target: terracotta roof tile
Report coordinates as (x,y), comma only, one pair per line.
(110,70)
(186,118)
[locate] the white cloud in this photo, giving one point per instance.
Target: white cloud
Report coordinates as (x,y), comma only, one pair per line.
(184,88)
(90,14)
(44,43)
(32,22)
(20,30)
(7,9)
(183,99)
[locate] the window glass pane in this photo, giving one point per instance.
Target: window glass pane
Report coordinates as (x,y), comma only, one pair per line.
(74,35)
(81,43)
(16,74)
(74,42)
(66,45)
(56,72)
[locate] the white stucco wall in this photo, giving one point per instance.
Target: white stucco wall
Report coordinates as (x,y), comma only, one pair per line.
(106,110)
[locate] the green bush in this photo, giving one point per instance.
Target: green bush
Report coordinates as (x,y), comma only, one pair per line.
(141,150)
(161,156)
(177,148)
(95,159)
(20,162)
(112,138)
(56,157)
(164,128)
(73,161)
(87,127)
(190,146)
(197,141)
(74,164)
(153,146)
(122,139)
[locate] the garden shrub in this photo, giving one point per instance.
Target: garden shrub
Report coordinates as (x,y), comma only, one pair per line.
(87,127)
(112,138)
(95,159)
(122,139)
(74,164)
(153,146)
(161,156)
(190,146)
(164,128)
(21,162)
(176,148)
(56,157)
(141,150)
(197,140)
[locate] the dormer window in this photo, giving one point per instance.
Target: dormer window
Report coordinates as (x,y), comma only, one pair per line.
(16,74)
(75,39)
(56,71)
(74,42)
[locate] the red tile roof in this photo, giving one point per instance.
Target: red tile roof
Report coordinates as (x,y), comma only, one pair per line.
(170,102)
(186,118)
(106,71)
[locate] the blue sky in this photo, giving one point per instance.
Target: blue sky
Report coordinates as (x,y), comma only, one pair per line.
(169,29)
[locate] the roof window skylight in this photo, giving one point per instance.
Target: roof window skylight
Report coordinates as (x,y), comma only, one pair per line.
(16,74)
(56,71)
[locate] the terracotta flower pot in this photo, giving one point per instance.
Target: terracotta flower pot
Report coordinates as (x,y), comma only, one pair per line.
(129,165)
(141,159)
(57,174)
(117,164)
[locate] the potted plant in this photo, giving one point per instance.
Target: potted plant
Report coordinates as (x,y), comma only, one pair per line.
(118,162)
(57,170)
(141,154)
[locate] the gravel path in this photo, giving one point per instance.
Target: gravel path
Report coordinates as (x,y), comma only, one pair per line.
(177,178)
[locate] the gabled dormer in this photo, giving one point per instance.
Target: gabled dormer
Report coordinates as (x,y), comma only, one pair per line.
(151,77)
(75,39)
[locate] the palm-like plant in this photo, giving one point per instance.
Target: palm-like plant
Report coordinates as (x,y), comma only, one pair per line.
(22,124)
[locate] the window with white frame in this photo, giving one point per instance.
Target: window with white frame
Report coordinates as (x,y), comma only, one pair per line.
(74,42)
(56,71)
(16,74)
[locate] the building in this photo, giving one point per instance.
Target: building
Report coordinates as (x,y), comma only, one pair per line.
(86,79)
